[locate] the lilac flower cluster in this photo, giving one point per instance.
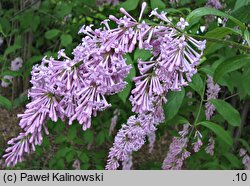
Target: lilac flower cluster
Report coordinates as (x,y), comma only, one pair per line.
(212,93)
(16,64)
(210,148)
(171,67)
(76,88)
(197,145)
(177,152)
(245,158)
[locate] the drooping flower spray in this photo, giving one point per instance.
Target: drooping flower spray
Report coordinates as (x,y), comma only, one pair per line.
(76,88)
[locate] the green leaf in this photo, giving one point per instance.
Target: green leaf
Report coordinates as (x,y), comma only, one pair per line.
(231,64)
(245,144)
(195,15)
(63,9)
(241,3)
(11,49)
(84,157)
(12,73)
(88,136)
(5,103)
(243,13)
(35,23)
(234,160)
(60,139)
(50,34)
(157,4)
(62,152)
(72,132)
(5,26)
(197,84)
(218,33)
(70,156)
(130,5)
(142,54)
(60,164)
(227,112)
(59,126)
(91,3)
(174,103)
(20,100)
(219,131)
(100,138)
(32,60)
(66,40)
(126,91)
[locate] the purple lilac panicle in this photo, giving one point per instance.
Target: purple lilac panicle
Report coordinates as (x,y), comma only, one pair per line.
(197,145)
(177,152)
(171,67)
(210,148)
(212,93)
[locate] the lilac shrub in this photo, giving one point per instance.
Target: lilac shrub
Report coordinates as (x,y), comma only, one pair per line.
(76,88)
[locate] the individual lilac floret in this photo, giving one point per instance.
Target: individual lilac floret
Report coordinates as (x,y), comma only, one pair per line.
(6,81)
(128,162)
(1,41)
(76,165)
(182,24)
(210,148)
(242,152)
(245,158)
(177,152)
(114,121)
(16,64)
(214,4)
(212,93)
(197,145)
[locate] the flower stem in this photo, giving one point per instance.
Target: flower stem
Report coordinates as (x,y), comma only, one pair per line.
(201,103)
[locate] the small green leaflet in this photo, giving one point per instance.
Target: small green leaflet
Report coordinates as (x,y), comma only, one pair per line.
(174,103)
(197,84)
(5,103)
(129,5)
(219,131)
(50,34)
(231,64)
(227,112)
(195,15)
